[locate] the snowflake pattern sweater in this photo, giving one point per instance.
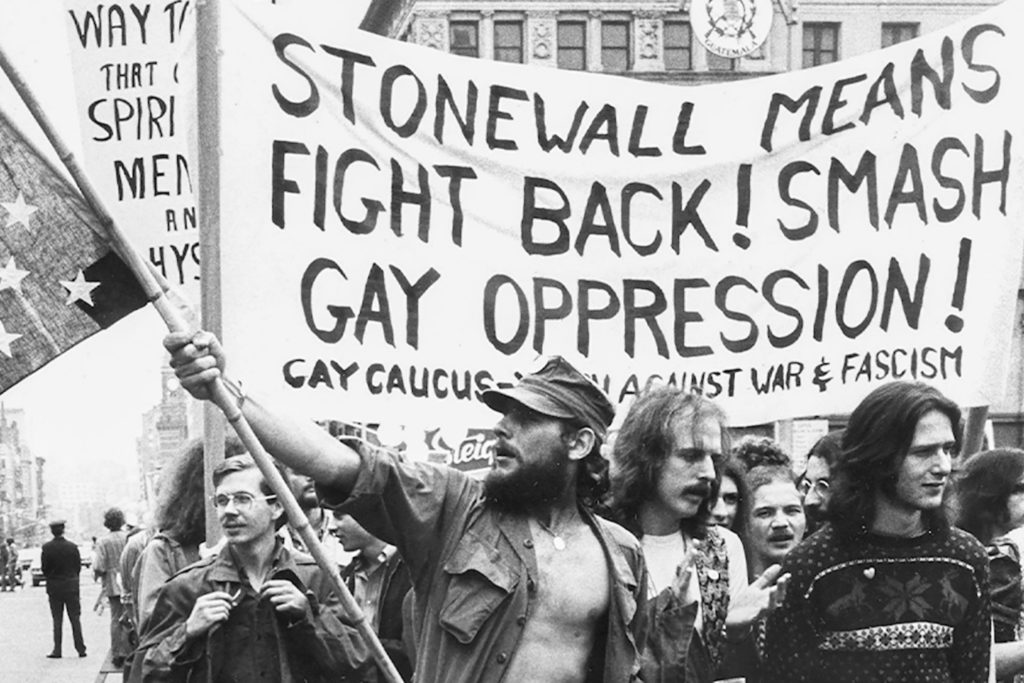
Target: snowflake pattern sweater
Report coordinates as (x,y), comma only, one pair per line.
(882,609)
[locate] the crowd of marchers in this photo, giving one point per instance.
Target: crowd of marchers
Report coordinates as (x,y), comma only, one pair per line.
(660,552)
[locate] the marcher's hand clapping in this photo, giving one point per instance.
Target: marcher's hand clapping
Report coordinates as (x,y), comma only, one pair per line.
(767,592)
(209,609)
(286,598)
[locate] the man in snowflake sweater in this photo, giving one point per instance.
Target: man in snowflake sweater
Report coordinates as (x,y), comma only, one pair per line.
(888,590)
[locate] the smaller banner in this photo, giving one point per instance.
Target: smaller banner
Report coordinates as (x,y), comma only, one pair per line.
(128,59)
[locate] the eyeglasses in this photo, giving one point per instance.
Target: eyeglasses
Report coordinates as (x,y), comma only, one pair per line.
(821,487)
(242,501)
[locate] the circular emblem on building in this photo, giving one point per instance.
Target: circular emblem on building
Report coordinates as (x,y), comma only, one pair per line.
(731,28)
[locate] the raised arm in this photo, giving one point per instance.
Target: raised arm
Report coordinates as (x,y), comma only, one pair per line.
(198,359)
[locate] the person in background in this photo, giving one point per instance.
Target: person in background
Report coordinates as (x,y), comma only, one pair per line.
(320,521)
(138,537)
(665,481)
(774,525)
(61,564)
(10,569)
(815,482)
(731,507)
(751,451)
(107,568)
(379,582)
(990,505)
(887,590)
(775,521)
(4,555)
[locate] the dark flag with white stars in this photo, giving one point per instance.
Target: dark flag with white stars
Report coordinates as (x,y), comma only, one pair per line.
(60,281)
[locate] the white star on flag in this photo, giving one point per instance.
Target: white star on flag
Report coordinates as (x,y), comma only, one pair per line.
(11,276)
(79,289)
(6,338)
(18,211)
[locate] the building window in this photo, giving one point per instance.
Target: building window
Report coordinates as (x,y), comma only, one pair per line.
(719,63)
(464,38)
(572,45)
(508,41)
(615,46)
(678,43)
(898,33)
(821,44)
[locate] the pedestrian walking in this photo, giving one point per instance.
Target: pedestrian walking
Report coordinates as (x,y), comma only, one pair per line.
(10,569)
(61,564)
(107,568)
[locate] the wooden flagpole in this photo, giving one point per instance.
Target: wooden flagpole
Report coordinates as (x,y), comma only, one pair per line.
(176,322)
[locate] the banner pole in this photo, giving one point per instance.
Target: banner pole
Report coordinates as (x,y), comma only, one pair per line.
(974,432)
(208,200)
(176,322)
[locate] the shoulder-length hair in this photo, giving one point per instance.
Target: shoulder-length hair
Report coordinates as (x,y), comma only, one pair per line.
(646,440)
(875,443)
(983,491)
(181,510)
(734,469)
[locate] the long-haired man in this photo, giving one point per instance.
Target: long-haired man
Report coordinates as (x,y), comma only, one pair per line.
(888,591)
(665,482)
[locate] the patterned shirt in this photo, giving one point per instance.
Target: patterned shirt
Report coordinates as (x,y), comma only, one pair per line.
(883,609)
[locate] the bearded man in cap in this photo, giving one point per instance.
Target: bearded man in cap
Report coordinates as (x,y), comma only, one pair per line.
(514,578)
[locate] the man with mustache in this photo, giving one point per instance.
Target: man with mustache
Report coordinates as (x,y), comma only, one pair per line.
(775,522)
(815,482)
(888,590)
(255,610)
(514,578)
(666,471)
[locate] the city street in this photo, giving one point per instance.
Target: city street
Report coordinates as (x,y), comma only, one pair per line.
(25,638)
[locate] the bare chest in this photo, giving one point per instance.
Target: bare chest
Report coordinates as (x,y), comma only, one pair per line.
(574,586)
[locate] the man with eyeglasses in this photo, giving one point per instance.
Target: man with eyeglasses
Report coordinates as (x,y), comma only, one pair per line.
(254,611)
(888,590)
(815,483)
(514,577)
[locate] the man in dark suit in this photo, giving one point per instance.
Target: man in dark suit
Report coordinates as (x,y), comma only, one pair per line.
(61,564)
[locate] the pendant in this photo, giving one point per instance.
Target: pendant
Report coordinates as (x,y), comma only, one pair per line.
(558,542)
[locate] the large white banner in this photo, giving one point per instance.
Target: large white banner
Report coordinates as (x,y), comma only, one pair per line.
(133,64)
(403,228)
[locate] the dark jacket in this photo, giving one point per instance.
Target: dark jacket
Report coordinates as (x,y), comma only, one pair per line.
(395,585)
(318,648)
(61,564)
